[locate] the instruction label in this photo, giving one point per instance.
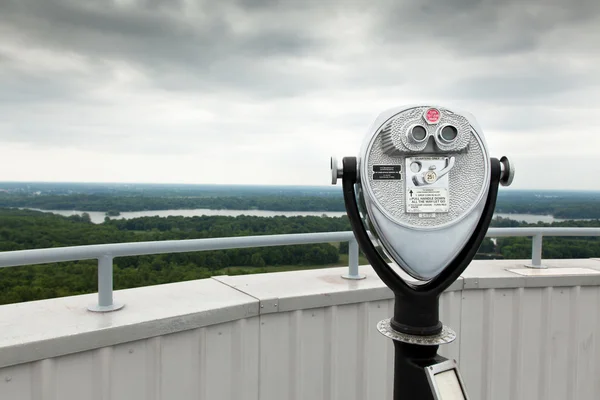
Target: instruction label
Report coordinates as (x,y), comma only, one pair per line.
(387,168)
(387,172)
(380,176)
(426,200)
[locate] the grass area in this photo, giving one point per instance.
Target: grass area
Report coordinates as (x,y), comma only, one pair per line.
(343,262)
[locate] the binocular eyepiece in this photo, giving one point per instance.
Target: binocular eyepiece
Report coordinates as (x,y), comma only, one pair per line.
(445,134)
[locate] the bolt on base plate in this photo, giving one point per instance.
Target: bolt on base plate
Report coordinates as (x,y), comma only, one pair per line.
(446,336)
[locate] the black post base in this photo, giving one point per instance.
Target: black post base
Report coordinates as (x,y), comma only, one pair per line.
(417,315)
(410,376)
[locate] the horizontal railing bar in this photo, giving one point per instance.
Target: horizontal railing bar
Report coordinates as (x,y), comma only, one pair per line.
(90,252)
(507,232)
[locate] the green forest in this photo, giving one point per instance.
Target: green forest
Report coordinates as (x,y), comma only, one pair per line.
(25,229)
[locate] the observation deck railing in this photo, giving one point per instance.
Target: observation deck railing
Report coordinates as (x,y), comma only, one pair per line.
(106,253)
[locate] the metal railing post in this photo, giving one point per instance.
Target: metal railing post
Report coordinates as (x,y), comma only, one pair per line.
(536,251)
(353,261)
(105,287)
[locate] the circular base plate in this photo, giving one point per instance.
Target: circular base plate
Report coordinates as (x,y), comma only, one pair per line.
(446,336)
(354,277)
(97,308)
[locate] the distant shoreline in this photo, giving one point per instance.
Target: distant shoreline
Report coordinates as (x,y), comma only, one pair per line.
(132,185)
(98,217)
(263,200)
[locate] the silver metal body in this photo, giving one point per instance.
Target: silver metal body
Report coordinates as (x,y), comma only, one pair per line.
(422,197)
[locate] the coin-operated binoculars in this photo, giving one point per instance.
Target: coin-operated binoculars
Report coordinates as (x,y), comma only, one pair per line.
(426,189)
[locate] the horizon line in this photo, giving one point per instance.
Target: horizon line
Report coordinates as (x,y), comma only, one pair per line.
(324,186)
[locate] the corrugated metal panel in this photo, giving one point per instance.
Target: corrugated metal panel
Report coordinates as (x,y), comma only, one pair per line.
(216,362)
(450,315)
(335,353)
(534,343)
(513,343)
(326,353)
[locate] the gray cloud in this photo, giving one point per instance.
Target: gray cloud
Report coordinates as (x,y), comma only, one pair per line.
(145,34)
(521,87)
(178,53)
(19,88)
(483,28)
(279,79)
(253,45)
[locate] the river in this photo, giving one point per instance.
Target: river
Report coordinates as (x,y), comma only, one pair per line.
(97,217)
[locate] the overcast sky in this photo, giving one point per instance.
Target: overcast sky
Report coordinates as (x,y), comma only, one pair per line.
(265,91)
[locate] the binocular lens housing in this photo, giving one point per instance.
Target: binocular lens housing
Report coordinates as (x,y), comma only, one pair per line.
(448,133)
(418,133)
(445,134)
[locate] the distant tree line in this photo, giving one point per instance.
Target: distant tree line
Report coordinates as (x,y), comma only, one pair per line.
(560,204)
(564,205)
(105,202)
(24,229)
(165,190)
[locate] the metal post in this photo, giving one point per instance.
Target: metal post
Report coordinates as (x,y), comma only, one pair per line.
(410,363)
(105,287)
(353,261)
(536,251)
